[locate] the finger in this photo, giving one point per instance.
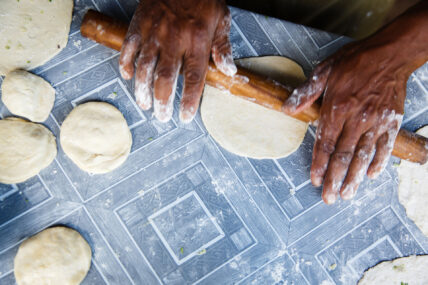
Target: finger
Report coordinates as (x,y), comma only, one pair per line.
(325,144)
(222,49)
(165,83)
(305,95)
(384,147)
(128,54)
(194,72)
(339,163)
(144,76)
(359,164)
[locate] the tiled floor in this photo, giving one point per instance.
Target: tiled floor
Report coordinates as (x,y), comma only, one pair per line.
(183,210)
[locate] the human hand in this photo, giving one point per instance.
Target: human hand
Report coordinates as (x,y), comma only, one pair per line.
(166,36)
(364,87)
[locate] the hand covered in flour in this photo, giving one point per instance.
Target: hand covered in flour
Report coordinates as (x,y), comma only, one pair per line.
(166,36)
(364,87)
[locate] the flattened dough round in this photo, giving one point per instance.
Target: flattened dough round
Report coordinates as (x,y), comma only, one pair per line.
(413,189)
(32,32)
(25,149)
(96,137)
(405,270)
(28,95)
(57,255)
(248,129)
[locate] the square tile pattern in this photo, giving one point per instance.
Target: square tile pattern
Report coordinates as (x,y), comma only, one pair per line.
(182,210)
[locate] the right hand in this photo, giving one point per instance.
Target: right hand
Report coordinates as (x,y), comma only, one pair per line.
(166,36)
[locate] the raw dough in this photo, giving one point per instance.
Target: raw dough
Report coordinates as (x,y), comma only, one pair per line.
(28,95)
(96,137)
(248,129)
(57,255)
(25,149)
(411,270)
(413,189)
(32,32)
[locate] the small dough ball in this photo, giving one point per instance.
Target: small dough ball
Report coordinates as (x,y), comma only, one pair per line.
(248,129)
(25,149)
(28,95)
(405,270)
(96,137)
(57,255)
(32,32)
(413,189)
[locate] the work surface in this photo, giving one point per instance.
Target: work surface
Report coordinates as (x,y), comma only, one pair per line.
(183,210)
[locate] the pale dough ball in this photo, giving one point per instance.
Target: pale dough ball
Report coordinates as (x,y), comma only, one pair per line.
(25,149)
(413,189)
(96,137)
(28,95)
(32,32)
(57,255)
(411,270)
(248,129)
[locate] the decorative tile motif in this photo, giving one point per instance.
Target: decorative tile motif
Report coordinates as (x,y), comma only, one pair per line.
(182,210)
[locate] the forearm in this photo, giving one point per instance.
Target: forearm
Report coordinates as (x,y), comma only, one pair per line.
(404,41)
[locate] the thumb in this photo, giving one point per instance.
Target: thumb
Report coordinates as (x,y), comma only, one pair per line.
(221,49)
(306,94)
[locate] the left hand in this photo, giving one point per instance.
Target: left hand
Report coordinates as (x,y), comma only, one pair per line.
(364,87)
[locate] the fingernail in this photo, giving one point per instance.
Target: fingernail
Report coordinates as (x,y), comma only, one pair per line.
(163,112)
(227,65)
(348,193)
(186,114)
(125,74)
(330,198)
(316,181)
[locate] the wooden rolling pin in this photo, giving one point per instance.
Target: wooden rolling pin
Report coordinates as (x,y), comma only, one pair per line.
(261,90)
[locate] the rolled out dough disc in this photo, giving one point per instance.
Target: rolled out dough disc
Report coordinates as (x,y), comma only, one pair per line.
(248,129)
(57,255)
(96,137)
(25,149)
(32,32)
(27,95)
(413,189)
(411,270)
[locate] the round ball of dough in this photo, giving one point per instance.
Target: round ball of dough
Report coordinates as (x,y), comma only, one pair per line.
(96,137)
(28,95)
(32,32)
(25,149)
(412,189)
(57,255)
(248,129)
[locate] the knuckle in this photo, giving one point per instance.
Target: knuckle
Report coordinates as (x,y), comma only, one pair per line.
(364,152)
(132,39)
(343,157)
(327,146)
(165,72)
(199,31)
(193,76)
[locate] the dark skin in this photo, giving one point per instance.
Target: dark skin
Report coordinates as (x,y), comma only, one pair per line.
(364,84)
(166,36)
(364,88)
